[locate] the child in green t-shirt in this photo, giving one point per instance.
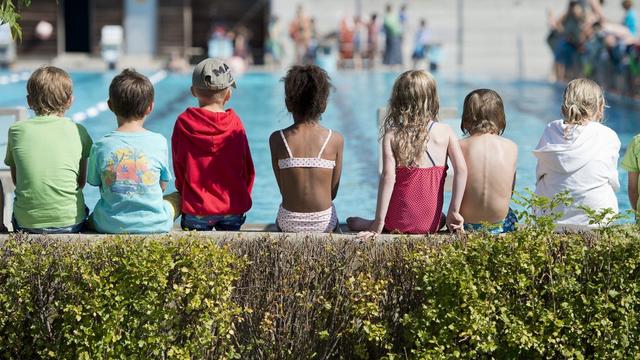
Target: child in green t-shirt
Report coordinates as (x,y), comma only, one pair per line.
(47,155)
(631,163)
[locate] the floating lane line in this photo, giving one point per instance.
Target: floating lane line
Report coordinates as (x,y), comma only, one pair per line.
(14,78)
(102,106)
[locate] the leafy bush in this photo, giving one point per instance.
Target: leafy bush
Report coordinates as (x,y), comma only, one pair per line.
(10,15)
(115,298)
(322,298)
(530,294)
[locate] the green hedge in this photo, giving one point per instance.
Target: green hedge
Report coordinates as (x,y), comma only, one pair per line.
(531,294)
(527,296)
(116,298)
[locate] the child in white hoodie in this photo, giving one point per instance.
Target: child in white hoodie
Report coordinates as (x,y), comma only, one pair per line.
(579,155)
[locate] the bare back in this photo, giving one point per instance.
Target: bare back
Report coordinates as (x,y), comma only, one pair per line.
(437,145)
(307,189)
(491,164)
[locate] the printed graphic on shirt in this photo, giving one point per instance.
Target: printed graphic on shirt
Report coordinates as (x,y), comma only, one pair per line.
(128,172)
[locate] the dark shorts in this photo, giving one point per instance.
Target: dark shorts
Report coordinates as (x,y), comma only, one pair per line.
(211,222)
(566,53)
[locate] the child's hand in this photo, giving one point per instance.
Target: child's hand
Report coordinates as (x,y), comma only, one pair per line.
(455,221)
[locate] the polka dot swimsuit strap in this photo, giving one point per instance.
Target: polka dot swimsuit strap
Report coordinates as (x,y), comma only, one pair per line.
(317,162)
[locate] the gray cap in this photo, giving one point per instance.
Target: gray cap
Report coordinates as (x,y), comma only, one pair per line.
(212,74)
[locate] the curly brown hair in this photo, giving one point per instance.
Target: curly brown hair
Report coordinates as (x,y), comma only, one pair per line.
(306,89)
(483,113)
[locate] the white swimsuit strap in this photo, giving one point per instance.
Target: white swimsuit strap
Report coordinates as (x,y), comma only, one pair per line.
(286,144)
(325,144)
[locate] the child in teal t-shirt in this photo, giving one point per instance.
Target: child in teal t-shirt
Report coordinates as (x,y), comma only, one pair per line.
(130,165)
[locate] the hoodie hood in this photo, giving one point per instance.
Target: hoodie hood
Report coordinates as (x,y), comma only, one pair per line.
(567,148)
(204,128)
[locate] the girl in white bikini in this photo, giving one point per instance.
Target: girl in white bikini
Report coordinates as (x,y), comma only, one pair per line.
(306,157)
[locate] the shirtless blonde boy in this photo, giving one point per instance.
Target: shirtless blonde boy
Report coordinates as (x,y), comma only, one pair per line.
(491,164)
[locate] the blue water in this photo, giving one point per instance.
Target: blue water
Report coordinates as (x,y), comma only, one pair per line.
(352,111)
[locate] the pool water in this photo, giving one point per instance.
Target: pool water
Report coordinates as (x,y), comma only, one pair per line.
(259,101)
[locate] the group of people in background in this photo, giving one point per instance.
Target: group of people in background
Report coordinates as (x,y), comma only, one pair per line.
(585,43)
(52,158)
(361,42)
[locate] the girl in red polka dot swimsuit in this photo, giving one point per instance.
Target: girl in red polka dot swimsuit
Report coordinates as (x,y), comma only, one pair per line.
(415,148)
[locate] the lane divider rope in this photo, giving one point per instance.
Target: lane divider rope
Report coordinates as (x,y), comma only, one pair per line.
(102,106)
(14,78)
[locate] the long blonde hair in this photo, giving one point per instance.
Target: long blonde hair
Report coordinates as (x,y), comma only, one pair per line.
(583,100)
(413,103)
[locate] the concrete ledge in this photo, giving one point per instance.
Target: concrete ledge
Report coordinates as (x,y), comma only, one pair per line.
(226,236)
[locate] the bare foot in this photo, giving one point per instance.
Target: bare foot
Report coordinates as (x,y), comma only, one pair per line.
(366,235)
(358,224)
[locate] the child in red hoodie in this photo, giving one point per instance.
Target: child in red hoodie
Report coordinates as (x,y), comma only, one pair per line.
(211,157)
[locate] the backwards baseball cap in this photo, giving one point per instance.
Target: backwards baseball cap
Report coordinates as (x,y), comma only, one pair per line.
(212,74)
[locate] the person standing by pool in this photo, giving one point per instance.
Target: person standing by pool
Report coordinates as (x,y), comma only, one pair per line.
(373,40)
(307,157)
(300,33)
(47,155)
(630,17)
(211,156)
(571,39)
(579,155)
(415,149)
(491,164)
(393,38)
(273,45)
(131,165)
(421,47)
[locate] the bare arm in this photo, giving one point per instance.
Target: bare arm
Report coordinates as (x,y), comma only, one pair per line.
(454,219)
(337,171)
(632,188)
(387,181)
(82,175)
(597,10)
(515,173)
(163,186)
(273,143)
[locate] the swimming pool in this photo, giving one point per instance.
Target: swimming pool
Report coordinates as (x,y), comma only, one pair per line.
(352,111)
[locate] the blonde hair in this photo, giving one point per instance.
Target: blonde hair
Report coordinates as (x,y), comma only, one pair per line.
(49,90)
(583,100)
(413,103)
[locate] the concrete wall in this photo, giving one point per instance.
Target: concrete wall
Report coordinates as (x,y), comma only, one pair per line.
(492,29)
